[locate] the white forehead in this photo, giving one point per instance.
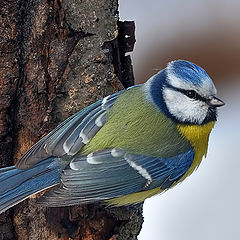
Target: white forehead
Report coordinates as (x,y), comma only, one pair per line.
(190,79)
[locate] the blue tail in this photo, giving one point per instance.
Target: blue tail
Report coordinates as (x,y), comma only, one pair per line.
(17,185)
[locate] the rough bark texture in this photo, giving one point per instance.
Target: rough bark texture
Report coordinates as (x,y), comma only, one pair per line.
(57,57)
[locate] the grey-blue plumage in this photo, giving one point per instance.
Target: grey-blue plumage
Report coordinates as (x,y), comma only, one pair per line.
(111,173)
(68,134)
(17,184)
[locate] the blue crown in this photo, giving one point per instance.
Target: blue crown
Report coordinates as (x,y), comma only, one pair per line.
(188,71)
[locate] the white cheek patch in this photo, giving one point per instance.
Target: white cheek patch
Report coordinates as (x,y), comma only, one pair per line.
(184,108)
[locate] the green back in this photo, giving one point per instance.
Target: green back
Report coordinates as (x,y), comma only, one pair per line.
(136,126)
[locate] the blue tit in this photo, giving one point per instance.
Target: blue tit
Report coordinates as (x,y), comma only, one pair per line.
(124,148)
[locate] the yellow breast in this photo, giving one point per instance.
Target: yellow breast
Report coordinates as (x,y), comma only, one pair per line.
(198,137)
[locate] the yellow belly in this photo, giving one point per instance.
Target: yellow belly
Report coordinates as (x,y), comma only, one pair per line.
(198,137)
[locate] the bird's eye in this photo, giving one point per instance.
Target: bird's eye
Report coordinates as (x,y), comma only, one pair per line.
(191,93)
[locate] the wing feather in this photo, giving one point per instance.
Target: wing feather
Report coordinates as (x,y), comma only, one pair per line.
(112,173)
(71,135)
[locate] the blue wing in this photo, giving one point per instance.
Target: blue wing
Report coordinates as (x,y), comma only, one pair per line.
(69,137)
(112,173)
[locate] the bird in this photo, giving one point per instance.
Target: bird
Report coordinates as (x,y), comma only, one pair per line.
(124,148)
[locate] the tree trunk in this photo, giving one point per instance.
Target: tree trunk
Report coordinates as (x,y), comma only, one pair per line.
(56,57)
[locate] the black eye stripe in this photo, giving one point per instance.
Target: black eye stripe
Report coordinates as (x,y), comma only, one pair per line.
(189,93)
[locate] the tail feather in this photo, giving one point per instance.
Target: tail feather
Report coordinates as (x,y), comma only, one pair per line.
(16,184)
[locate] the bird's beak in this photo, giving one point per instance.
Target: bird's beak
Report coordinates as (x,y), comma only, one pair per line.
(215,102)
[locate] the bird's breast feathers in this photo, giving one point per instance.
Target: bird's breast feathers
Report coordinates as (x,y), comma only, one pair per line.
(198,136)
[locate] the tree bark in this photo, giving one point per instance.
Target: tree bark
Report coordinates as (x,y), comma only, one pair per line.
(57,57)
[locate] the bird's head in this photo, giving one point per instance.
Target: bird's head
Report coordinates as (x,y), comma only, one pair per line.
(184,92)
